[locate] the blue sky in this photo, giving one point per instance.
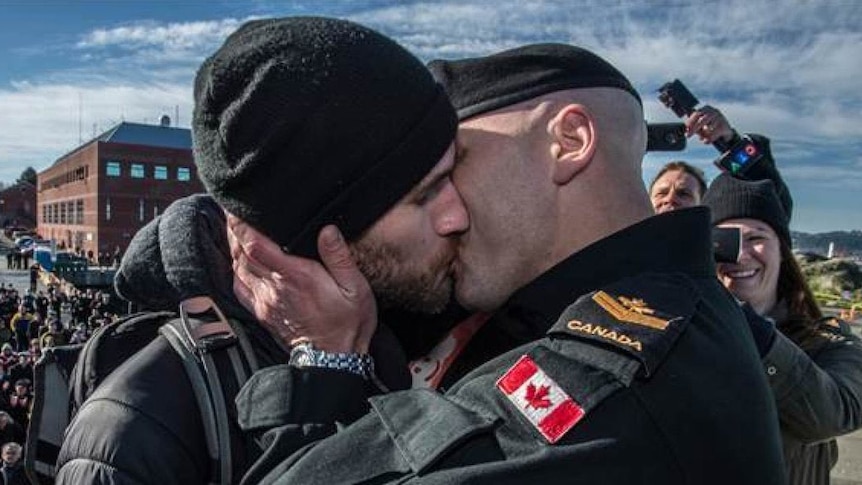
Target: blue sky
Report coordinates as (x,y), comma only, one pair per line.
(790,70)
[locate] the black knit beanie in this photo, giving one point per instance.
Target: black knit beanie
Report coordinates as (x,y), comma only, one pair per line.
(731,198)
(482,84)
(301,122)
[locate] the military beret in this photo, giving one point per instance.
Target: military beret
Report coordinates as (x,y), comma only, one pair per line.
(482,84)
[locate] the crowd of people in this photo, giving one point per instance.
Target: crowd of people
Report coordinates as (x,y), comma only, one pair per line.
(30,322)
(476,235)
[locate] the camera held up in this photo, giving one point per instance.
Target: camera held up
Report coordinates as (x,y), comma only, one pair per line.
(737,155)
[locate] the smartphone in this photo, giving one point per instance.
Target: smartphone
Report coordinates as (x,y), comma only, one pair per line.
(739,157)
(665,137)
(726,244)
(678,98)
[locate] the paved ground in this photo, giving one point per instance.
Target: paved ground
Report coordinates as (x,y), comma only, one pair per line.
(848,470)
(20,279)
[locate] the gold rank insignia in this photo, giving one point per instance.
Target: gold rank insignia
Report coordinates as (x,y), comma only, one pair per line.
(630,310)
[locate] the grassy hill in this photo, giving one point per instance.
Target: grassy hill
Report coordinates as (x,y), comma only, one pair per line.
(832,280)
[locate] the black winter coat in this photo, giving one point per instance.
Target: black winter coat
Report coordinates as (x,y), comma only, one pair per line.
(142,424)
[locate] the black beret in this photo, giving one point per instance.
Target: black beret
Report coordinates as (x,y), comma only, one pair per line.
(301,122)
(481,84)
(731,198)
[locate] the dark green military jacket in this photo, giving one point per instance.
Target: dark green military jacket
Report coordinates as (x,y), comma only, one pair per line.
(645,373)
(818,390)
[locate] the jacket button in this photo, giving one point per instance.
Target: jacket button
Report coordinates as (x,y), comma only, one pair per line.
(771,370)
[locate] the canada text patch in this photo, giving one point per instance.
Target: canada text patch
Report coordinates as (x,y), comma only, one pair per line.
(642,316)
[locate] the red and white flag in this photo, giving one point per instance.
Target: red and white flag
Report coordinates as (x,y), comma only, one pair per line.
(540,399)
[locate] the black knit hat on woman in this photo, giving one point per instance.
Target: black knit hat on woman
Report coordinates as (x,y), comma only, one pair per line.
(301,122)
(731,198)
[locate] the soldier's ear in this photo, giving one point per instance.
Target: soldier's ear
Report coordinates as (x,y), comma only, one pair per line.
(573,141)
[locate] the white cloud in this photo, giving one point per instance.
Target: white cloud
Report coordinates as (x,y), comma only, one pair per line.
(41,122)
(844,177)
(789,70)
(182,36)
(786,71)
(148,50)
(134,72)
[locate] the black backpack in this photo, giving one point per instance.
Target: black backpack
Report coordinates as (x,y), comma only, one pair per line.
(66,376)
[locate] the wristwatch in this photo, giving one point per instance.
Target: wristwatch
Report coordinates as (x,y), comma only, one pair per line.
(303,354)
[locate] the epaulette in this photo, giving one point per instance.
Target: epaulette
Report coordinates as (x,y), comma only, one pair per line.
(599,345)
(641,316)
(833,329)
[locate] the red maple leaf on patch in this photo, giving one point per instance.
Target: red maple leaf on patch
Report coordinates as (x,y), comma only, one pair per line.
(538,398)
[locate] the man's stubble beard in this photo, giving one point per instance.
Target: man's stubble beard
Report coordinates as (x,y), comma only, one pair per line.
(400,284)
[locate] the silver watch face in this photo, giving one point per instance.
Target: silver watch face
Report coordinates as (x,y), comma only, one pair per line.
(301,356)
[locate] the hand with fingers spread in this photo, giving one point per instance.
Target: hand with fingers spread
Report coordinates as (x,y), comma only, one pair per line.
(328,303)
(709,124)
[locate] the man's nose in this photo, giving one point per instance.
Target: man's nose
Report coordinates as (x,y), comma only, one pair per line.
(452,216)
(665,200)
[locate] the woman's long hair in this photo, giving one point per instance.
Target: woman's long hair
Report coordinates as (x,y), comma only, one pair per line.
(802,309)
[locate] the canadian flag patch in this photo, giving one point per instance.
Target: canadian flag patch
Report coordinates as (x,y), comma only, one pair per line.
(540,399)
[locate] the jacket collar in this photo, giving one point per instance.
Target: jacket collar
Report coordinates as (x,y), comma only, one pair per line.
(678,241)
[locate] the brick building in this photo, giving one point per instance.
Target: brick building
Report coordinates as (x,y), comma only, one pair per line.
(18,206)
(97,196)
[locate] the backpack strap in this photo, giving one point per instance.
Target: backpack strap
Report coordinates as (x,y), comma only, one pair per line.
(218,359)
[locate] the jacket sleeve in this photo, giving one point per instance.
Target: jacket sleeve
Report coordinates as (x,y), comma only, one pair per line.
(766,169)
(291,408)
(818,397)
(288,409)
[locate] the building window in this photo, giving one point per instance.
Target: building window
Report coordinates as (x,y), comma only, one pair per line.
(160,172)
(79,211)
(137,170)
(112,168)
(107,208)
(141,210)
(184,174)
(62,212)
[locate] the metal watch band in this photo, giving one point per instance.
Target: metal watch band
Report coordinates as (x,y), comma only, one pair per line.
(361,364)
(304,354)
